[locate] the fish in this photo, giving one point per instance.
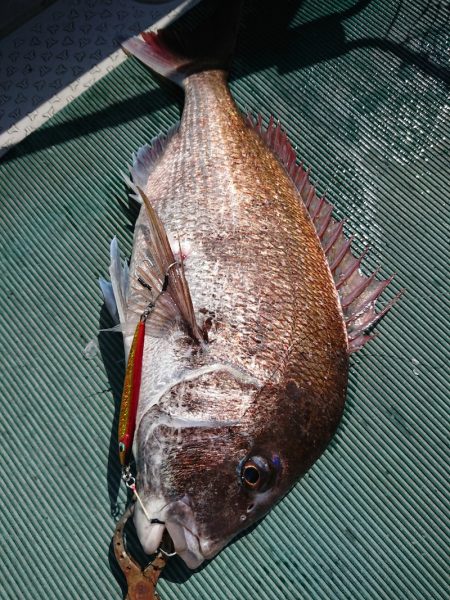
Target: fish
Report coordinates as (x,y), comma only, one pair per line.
(239,309)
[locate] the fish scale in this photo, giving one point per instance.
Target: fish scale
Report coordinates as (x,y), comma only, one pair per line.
(261,277)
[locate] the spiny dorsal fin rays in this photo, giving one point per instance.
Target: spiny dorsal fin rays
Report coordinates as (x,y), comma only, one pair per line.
(358,293)
(171,271)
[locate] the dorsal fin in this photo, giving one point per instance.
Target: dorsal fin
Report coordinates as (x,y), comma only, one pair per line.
(169,273)
(358,293)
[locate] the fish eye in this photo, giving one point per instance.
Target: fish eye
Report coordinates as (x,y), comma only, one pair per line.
(256,474)
(251,475)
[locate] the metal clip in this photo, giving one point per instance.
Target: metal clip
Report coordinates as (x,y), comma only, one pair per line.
(141,581)
(128,478)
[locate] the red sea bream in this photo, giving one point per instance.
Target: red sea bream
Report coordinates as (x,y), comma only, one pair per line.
(252,302)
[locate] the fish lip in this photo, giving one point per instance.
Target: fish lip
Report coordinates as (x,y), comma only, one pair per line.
(197,549)
(178,518)
(149,533)
(190,549)
(182,528)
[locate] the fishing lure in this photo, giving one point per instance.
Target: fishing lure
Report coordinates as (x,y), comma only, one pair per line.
(130,394)
(132,384)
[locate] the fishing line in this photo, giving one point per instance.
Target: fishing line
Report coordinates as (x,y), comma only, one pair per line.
(130,482)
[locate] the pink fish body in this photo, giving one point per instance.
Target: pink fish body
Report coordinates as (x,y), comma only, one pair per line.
(254,302)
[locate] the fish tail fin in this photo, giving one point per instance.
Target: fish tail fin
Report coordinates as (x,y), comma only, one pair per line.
(176,54)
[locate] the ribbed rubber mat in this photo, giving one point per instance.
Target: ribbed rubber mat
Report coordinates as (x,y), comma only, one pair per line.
(364,93)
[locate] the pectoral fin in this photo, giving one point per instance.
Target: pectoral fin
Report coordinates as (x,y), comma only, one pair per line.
(165,275)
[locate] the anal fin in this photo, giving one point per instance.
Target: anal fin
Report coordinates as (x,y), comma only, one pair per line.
(145,160)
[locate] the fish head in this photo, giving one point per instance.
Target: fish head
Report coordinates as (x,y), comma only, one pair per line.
(207,480)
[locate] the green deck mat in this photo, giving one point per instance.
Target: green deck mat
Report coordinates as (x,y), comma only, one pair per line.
(363,90)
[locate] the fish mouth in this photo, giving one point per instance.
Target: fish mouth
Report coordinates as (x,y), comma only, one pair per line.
(177,517)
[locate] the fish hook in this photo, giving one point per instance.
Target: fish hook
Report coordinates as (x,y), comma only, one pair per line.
(141,581)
